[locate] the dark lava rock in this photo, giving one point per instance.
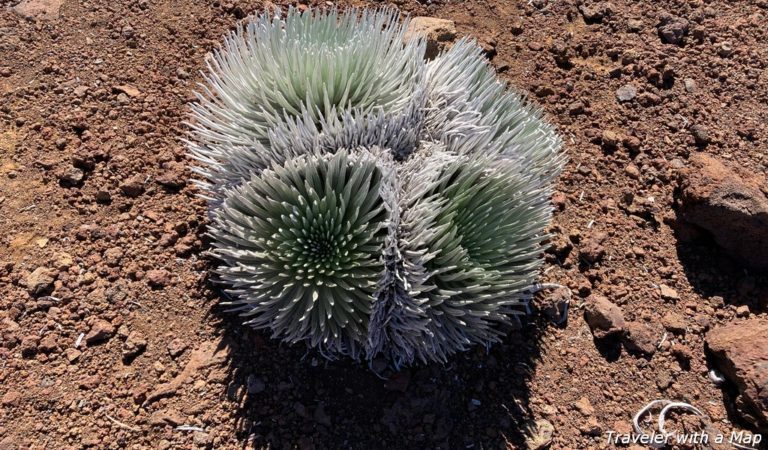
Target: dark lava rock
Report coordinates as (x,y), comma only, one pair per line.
(700,134)
(70,176)
(672,29)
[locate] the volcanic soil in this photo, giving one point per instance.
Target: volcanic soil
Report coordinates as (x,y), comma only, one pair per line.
(110,332)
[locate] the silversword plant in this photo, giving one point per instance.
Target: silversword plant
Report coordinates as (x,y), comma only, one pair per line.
(366,201)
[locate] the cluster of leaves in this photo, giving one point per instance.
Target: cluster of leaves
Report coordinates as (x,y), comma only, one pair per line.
(364,200)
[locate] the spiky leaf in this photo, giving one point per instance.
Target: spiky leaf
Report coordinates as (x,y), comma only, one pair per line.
(301,246)
(314,67)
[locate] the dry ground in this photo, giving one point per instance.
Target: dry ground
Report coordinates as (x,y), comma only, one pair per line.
(93,188)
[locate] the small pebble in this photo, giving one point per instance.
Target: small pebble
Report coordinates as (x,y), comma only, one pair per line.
(700,134)
(635,25)
(668,293)
(632,171)
(610,139)
(176,347)
(724,49)
(101,330)
(690,85)
(626,93)
(742,311)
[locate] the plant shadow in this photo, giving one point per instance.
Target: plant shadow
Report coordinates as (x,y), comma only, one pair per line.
(289,397)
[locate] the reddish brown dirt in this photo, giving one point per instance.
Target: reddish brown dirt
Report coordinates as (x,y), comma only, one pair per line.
(65,106)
